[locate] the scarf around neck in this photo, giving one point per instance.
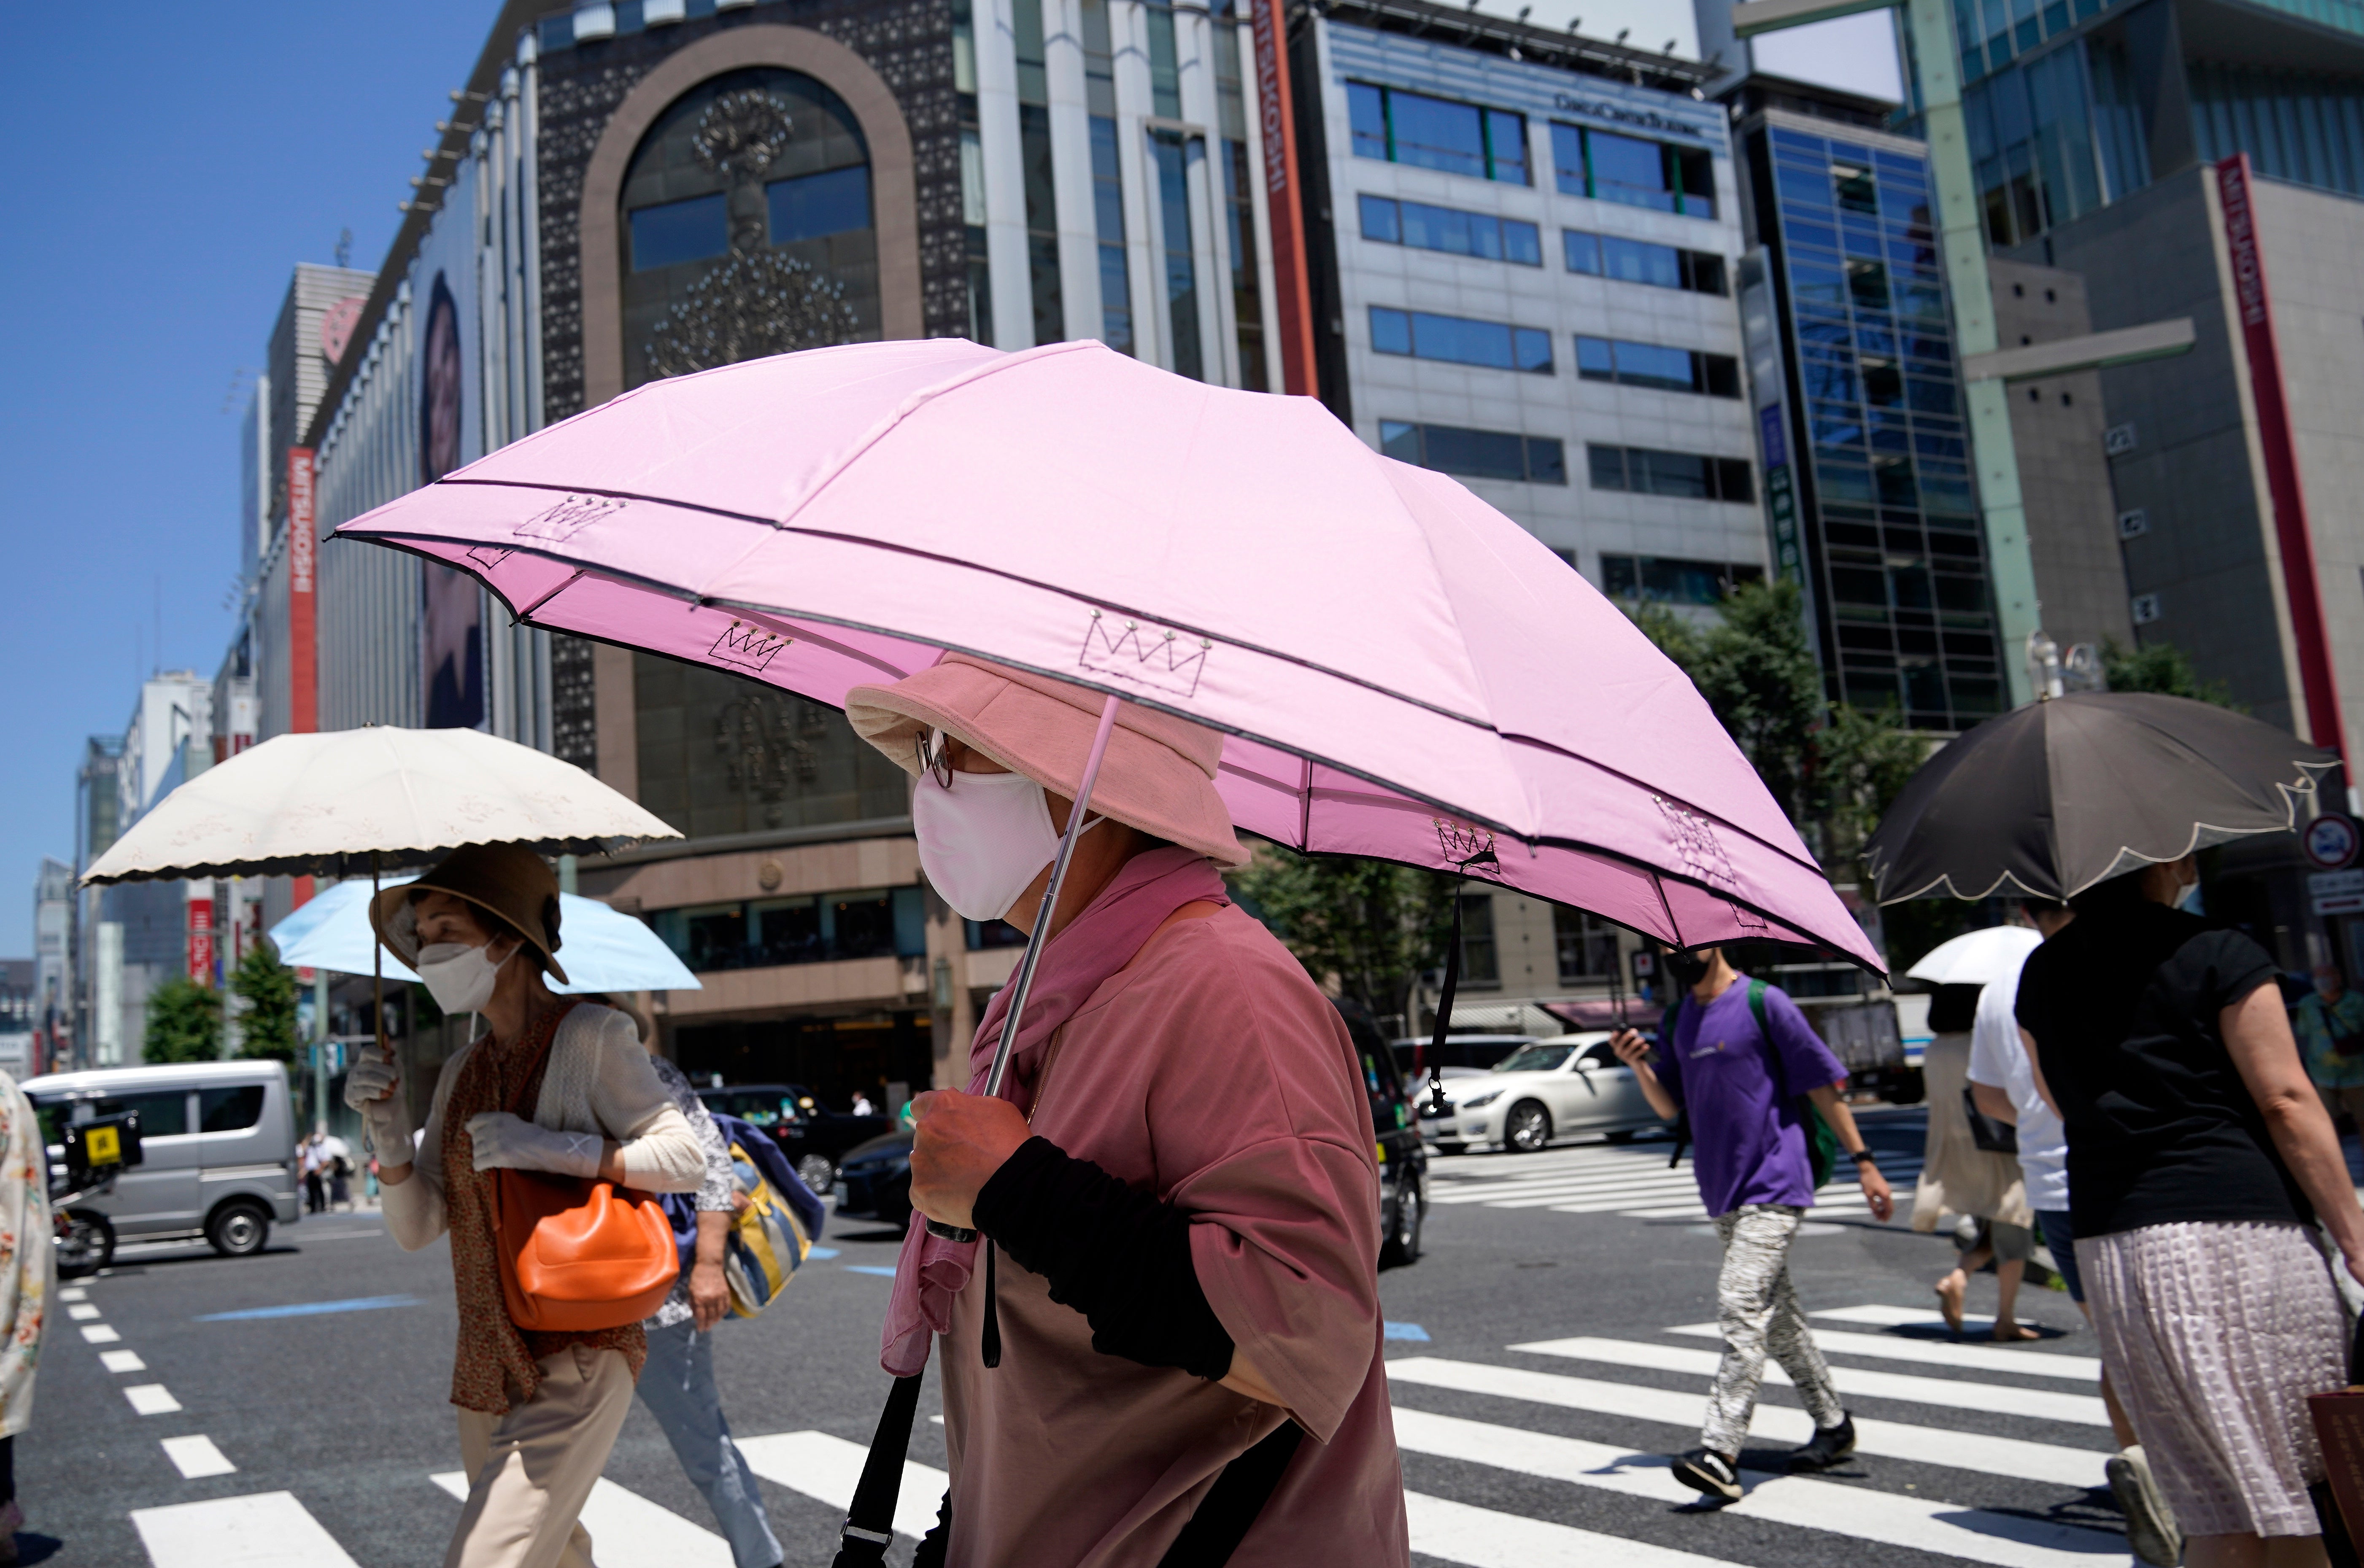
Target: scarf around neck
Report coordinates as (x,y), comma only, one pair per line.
(1098,942)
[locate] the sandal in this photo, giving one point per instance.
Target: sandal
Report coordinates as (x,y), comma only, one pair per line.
(1950,1307)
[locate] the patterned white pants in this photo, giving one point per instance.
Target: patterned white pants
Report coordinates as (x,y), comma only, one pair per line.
(1758,1313)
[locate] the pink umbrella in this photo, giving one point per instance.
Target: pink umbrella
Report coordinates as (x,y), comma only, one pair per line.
(1403,672)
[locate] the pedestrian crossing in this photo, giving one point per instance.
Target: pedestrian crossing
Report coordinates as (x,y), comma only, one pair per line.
(1629,1179)
(1967,1499)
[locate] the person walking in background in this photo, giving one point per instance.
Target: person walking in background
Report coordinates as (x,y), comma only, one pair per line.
(312,1164)
(2003,1081)
(677,1384)
(2329,1023)
(1959,1177)
(2199,1156)
(539,1411)
(29,1277)
(1740,1057)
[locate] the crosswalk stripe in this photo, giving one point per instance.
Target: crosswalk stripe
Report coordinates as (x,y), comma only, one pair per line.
(122,1361)
(195,1457)
(1857,1512)
(626,1528)
(1510,1192)
(1890,1317)
(826,1469)
(99,1334)
(1632,1175)
(266,1529)
(1481,1538)
(150,1399)
(2038,1404)
(1938,1353)
(2049,1464)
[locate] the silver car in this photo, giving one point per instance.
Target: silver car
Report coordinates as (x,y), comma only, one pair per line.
(218,1152)
(1551,1088)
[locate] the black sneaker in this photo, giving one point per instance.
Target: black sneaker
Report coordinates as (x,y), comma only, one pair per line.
(1831,1445)
(1704,1469)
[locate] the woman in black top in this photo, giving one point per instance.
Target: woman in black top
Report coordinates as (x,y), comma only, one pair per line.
(2199,1158)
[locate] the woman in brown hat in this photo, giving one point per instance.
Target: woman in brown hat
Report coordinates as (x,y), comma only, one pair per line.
(1179,1167)
(538,1411)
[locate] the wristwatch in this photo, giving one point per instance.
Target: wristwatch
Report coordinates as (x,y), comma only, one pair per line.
(1863,1156)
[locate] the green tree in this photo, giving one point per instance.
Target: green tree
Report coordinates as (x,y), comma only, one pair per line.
(267,987)
(1372,924)
(2159,667)
(183,1022)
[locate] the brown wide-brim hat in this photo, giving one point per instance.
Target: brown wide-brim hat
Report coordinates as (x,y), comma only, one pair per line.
(1158,776)
(506,880)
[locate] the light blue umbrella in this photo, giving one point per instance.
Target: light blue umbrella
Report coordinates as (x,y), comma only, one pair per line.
(603,950)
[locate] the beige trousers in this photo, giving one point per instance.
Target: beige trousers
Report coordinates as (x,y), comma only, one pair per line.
(531,1471)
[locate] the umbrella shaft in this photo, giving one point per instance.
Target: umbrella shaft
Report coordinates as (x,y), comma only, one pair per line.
(1042,935)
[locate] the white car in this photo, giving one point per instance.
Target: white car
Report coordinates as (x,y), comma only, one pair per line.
(1552,1088)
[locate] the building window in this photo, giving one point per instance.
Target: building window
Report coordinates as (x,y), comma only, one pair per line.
(1458,340)
(1108,179)
(1239,204)
(1476,454)
(1174,155)
(1650,473)
(710,231)
(1480,962)
(764,933)
(1608,167)
(1634,262)
(669,233)
(1034,159)
(1587,944)
(1453,232)
(1656,366)
(972,167)
(1397,126)
(1668,580)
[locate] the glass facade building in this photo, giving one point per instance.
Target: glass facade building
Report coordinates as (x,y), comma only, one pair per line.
(1859,402)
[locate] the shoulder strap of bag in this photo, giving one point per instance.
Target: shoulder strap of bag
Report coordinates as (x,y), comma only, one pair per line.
(538,1070)
(1683,1117)
(1229,1508)
(870,1522)
(1821,1143)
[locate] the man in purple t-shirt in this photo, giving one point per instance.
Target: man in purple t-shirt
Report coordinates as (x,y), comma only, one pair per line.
(1756,1176)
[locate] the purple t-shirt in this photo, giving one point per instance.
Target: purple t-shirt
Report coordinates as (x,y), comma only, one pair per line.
(1747,1144)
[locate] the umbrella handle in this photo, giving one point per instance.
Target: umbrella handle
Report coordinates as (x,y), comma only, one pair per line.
(1042,934)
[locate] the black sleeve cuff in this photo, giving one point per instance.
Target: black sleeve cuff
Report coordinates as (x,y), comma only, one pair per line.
(1115,1254)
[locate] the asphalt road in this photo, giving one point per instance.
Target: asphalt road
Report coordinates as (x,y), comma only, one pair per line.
(333,1392)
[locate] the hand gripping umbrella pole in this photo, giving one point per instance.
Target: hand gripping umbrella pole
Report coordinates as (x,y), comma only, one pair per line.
(1038,940)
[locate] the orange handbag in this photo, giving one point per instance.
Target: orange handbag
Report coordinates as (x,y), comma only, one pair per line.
(578,1254)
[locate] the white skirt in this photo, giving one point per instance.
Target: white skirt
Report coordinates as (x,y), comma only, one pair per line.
(2213,1335)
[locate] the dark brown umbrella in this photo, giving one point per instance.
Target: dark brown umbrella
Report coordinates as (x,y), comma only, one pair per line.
(2049,799)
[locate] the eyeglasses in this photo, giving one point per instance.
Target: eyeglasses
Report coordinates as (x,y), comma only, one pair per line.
(935,760)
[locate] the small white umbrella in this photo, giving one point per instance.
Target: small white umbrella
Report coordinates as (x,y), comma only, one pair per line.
(1976,958)
(345,801)
(602,948)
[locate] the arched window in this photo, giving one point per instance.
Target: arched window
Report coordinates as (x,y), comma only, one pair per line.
(747,227)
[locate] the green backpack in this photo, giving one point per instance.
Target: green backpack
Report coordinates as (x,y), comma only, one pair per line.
(1821,1143)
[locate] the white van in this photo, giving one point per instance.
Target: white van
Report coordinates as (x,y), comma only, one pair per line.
(217,1145)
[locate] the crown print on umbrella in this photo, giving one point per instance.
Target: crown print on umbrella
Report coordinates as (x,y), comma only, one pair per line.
(571,516)
(1153,656)
(748,646)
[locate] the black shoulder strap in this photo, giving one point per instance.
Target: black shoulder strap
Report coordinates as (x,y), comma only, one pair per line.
(1231,1506)
(870,1522)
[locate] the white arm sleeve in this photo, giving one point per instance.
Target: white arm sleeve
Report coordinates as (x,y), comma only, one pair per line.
(659,1153)
(414,1211)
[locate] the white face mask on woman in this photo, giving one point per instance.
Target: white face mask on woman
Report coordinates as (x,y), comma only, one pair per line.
(458,976)
(983,837)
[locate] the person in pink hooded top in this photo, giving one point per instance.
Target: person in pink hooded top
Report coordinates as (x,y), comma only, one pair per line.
(1178,1173)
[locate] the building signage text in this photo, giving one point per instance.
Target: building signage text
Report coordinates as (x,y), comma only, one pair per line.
(1645,119)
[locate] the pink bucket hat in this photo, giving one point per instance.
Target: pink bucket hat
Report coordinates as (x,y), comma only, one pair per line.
(1158,776)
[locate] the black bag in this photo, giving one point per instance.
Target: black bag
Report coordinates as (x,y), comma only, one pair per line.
(1994,1137)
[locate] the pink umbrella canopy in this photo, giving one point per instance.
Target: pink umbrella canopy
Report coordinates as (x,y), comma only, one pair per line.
(1402,671)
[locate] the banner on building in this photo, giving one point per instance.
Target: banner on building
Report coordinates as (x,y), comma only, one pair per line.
(302,635)
(1284,203)
(453,606)
(2280,452)
(201,940)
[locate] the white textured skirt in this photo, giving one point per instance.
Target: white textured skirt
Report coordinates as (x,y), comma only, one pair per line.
(2213,1335)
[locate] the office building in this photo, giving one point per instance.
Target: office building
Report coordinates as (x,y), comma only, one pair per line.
(53,987)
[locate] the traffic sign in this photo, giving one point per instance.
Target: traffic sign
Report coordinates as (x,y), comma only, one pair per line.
(2332,840)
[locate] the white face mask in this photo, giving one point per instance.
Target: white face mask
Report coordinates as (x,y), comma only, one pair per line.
(984,839)
(458,976)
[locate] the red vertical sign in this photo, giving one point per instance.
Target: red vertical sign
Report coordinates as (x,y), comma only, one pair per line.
(1284,201)
(302,624)
(2274,436)
(201,940)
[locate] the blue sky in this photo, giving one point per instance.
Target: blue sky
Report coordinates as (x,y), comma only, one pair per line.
(173,163)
